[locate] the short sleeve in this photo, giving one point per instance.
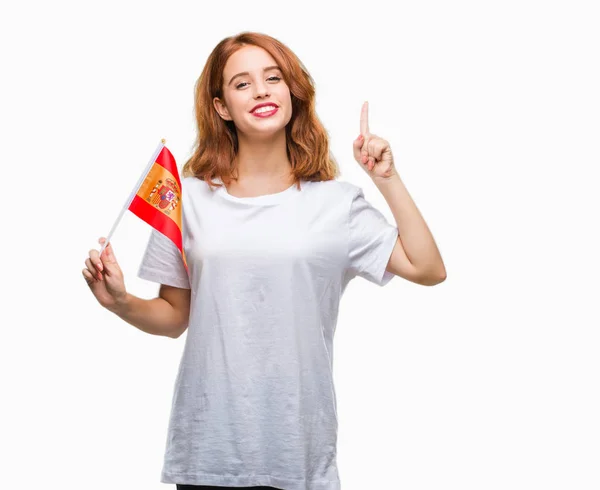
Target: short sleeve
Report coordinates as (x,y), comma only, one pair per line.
(162,262)
(371,241)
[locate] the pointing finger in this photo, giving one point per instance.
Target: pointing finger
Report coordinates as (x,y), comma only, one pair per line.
(364,119)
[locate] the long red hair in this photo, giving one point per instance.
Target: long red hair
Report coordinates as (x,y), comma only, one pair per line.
(216,145)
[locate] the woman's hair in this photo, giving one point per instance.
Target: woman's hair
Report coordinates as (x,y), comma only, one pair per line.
(216,145)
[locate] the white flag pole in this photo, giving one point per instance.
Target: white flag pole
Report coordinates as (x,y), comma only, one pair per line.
(134,192)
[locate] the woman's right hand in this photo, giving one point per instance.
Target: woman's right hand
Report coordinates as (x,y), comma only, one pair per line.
(104,276)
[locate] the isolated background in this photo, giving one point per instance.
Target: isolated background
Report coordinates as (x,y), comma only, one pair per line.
(489,380)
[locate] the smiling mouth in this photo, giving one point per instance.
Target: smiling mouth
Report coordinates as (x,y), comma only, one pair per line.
(265,111)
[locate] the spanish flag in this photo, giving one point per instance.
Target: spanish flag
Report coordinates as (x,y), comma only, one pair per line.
(158,198)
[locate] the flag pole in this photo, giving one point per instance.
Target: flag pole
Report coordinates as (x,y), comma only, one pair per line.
(134,192)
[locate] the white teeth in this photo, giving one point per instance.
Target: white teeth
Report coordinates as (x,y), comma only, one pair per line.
(265,109)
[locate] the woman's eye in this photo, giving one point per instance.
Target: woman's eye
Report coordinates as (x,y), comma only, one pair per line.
(240,85)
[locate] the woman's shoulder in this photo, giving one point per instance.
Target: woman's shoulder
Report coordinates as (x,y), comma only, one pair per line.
(192,184)
(336,188)
(191,180)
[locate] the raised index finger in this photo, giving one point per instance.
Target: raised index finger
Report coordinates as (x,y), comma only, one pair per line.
(364,119)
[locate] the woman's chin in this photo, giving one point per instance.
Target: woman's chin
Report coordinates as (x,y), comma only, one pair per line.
(264,131)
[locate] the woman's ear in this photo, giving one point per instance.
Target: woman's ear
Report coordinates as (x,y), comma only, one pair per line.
(221,109)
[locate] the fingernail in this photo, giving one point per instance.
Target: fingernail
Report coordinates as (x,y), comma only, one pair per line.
(99,265)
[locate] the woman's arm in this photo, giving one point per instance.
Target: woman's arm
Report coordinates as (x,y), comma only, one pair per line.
(166,315)
(416,254)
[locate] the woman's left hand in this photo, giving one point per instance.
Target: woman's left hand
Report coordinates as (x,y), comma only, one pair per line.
(373,153)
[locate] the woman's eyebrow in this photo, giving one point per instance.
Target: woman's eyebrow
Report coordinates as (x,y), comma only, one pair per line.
(267,68)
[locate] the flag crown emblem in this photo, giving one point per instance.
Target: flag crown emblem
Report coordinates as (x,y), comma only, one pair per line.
(165,195)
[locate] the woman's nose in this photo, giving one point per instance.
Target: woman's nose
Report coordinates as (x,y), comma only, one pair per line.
(260,89)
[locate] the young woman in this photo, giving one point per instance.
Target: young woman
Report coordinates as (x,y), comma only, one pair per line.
(272,239)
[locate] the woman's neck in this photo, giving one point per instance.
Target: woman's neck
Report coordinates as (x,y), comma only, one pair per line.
(262,161)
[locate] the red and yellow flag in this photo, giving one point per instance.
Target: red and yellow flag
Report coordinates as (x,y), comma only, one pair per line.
(158,199)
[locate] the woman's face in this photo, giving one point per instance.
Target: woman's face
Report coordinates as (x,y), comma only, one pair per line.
(250,78)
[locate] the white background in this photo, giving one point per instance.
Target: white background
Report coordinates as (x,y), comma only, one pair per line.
(489,380)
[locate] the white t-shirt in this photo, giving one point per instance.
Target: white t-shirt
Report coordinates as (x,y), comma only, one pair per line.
(254,400)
